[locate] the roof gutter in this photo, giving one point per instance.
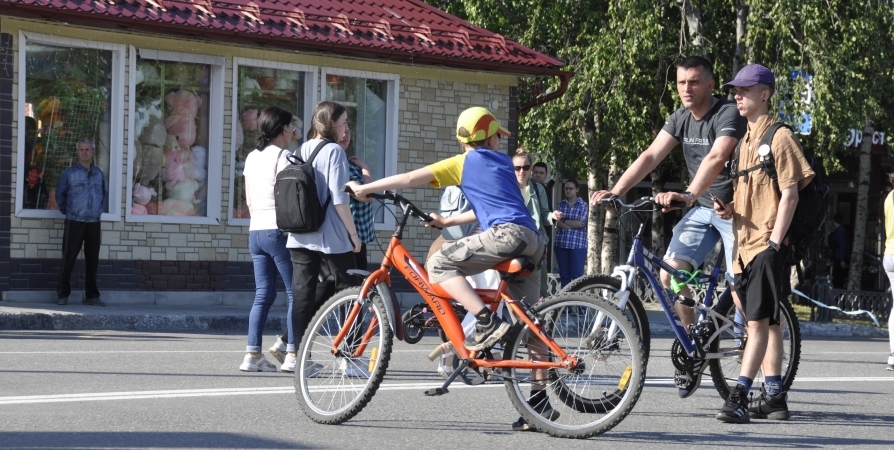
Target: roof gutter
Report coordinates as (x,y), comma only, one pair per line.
(565,78)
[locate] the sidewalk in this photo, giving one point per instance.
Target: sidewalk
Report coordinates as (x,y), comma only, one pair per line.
(202,318)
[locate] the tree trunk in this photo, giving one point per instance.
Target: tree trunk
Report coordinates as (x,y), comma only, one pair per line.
(657,216)
(855,275)
(595,224)
(610,232)
(693,18)
(741,30)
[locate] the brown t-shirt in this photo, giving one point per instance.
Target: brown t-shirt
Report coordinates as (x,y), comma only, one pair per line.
(756,199)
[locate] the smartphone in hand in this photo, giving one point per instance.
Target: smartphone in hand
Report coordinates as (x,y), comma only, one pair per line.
(717,201)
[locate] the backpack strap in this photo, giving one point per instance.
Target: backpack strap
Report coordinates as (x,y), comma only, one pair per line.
(310,161)
(766,139)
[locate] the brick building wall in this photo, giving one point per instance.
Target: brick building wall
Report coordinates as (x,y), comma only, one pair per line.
(187,257)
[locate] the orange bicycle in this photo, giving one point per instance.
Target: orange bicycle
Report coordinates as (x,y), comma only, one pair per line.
(581,350)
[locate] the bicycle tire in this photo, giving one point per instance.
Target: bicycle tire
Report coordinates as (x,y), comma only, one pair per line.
(414,328)
(605,360)
(324,383)
(594,283)
(725,371)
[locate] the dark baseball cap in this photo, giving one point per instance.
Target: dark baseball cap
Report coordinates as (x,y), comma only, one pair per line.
(751,75)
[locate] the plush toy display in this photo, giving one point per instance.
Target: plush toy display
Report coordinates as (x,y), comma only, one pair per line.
(173,170)
(181,199)
(141,196)
(250,119)
(181,120)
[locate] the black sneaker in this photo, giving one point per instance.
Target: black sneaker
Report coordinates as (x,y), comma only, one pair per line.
(488,335)
(540,404)
(735,410)
(62,301)
(688,382)
(94,302)
(773,407)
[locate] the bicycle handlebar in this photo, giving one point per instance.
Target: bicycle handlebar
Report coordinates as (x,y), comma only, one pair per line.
(641,202)
(400,201)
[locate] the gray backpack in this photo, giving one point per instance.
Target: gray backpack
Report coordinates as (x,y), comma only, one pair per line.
(453,203)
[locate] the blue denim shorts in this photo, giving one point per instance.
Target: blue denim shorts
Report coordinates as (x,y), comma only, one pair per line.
(696,235)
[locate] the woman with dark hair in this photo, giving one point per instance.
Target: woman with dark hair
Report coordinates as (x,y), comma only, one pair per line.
(266,243)
(332,247)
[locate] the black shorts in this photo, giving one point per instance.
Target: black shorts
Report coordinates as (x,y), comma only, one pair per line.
(763,284)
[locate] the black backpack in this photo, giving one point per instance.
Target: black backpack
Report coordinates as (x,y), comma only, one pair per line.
(813,199)
(298,208)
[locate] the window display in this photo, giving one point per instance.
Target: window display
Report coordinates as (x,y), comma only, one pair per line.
(259,88)
(67,96)
(366,100)
(171,125)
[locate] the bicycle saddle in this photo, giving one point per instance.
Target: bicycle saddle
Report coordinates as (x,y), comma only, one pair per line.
(521,266)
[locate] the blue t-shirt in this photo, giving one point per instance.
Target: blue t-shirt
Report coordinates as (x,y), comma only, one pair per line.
(487,178)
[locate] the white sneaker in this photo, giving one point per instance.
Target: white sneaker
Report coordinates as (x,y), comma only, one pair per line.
(278,350)
(355,367)
(259,364)
(289,364)
(891,361)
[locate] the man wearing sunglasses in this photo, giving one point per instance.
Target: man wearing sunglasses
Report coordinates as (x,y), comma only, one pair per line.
(709,129)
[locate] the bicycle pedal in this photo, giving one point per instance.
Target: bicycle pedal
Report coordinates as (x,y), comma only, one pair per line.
(434,392)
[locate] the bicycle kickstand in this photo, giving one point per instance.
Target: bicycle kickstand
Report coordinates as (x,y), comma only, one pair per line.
(463,364)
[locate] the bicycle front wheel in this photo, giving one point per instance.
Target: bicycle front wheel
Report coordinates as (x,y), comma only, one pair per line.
(333,388)
(593,397)
(731,342)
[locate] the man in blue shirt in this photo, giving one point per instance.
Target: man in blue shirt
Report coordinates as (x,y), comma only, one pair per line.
(81,194)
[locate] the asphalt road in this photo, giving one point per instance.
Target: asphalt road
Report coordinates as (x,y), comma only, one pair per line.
(111,389)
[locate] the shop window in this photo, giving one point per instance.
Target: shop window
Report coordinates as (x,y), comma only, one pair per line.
(177,118)
(69,91)
(257,85)
(371,99)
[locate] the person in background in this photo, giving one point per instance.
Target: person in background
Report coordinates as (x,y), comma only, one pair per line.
(571,235)
(536,201)
(81,194)
(266,242)
(888,262)
(539,174)
(363,220)
(335,244)
(841,252)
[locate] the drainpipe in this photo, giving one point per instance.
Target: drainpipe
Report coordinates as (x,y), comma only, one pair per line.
(566,77)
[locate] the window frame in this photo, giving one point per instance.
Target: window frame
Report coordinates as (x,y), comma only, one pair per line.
(310,89)
(116,111)
(392,126)
(215,134)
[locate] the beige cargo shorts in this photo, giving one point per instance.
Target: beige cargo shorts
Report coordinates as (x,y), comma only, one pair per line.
(474,254)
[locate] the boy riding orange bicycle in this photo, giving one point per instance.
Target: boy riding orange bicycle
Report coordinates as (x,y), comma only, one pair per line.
(487,178)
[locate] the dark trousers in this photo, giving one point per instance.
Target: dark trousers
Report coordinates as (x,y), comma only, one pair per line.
(76,235)
(306,267)
(326,288)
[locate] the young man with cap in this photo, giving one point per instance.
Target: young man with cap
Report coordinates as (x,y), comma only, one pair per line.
(708,128)
(761,218)
(508,230)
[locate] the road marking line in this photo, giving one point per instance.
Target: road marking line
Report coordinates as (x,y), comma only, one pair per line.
(182,393)
(103,352)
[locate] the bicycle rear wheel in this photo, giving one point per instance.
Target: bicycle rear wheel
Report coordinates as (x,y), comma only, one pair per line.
(334,388)
(605,287)
(725,371)
(596,395)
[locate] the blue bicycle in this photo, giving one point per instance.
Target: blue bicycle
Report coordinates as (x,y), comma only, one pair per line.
(716,337)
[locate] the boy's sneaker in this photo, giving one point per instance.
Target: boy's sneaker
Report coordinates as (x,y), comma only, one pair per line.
(278,350)
(288,365)
(891,362)
(540,404)
(773,407)
(688,382)
(735,409)
(488,335)
(259,364)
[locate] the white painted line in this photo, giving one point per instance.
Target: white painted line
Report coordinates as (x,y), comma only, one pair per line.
(183,393)
(103,352)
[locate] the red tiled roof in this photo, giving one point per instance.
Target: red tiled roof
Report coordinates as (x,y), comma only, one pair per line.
(401,30)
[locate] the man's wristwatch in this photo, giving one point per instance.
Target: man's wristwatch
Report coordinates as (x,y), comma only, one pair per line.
(773,245)
(690,198)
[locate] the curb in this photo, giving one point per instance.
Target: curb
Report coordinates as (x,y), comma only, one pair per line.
(141,322)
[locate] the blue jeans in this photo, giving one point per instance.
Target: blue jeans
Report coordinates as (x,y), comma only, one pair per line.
(269,255)
(696,235)
(571,263)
